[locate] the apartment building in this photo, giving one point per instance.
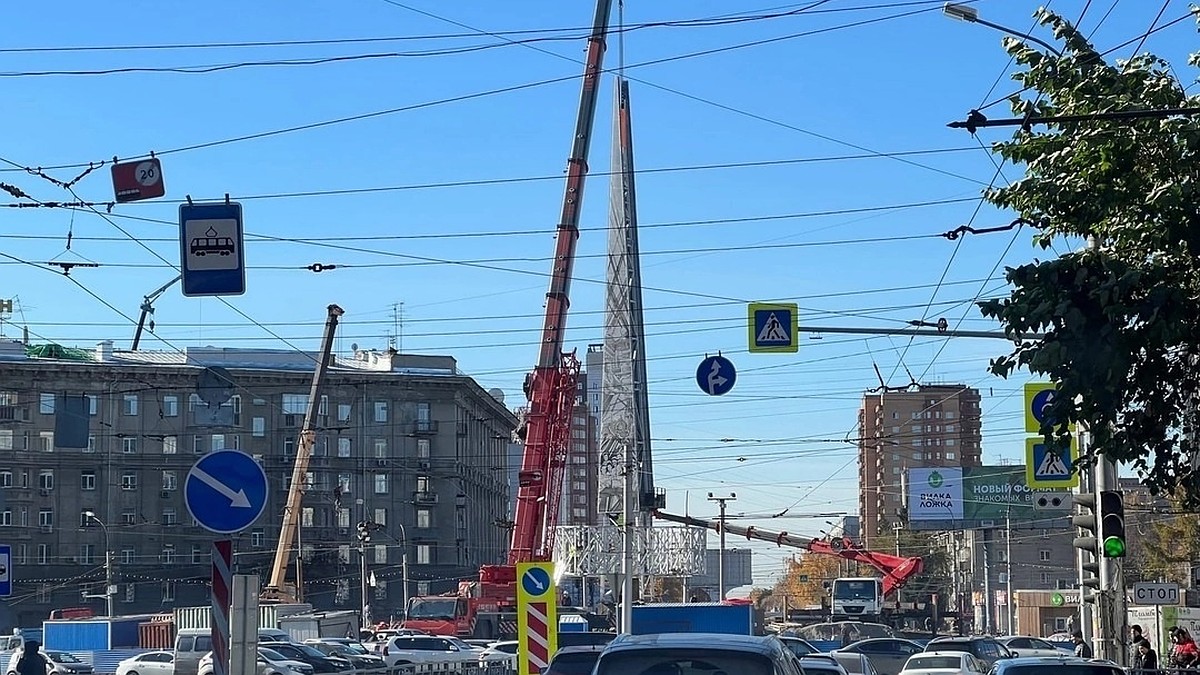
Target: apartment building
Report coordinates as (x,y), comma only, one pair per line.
(404,441)
(921,426)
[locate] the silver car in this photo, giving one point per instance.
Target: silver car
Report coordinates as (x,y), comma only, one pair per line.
(682,653)
(1058,665)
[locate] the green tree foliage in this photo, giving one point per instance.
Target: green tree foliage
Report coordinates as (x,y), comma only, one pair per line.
(1119,319)
(1169,548)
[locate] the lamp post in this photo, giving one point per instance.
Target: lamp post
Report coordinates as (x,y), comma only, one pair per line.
(404,565)
(964,12)
(721,499)
(109,591)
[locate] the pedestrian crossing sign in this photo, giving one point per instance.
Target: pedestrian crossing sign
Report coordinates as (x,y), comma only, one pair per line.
(1049,465)
(773,327)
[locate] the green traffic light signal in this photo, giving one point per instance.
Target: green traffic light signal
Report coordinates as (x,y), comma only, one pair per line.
(1114,547)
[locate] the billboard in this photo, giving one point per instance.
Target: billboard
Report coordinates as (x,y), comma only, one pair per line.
(950,498)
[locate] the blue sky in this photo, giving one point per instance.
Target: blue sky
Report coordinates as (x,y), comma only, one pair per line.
(820,98)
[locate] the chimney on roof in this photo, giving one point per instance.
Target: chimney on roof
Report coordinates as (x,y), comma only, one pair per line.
(104,351)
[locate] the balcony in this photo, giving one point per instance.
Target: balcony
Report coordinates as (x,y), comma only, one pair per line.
(423,428)
(13,414)
(425,498)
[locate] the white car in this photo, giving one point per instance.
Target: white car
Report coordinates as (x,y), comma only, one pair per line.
(504,651)
(270,662)
(943,663)
(1029,646)
(150,663)
(57,663)
(405,649)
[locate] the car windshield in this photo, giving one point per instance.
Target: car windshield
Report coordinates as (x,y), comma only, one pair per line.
(698,661)
(925,662)
(353,648)
(865,589)
(800,647)
(305,649)
(432,608)
(271,654)
(458,643)
(63,657)
(579,663)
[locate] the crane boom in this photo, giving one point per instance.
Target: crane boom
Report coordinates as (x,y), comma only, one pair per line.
(551,386)
(304,446)
(896,570)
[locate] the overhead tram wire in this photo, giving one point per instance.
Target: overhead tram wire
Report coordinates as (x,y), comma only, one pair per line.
(501,90)
(709,102)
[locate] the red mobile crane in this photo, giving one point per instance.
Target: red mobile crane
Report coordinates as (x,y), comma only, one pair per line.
(487,608)
(896,570)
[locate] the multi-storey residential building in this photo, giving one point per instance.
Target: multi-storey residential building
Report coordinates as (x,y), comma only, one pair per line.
(403,441)
(923,426)
(579,498)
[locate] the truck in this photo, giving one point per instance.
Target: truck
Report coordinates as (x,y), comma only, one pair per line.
(695,617)
(853,598)
(486,608)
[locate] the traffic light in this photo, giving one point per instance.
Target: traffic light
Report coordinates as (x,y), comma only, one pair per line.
(1090,542)
(364,533)
(1112,524)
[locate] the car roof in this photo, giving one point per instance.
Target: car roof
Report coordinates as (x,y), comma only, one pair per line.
(945,653)
(580,649)
(766,646)
(1061,659)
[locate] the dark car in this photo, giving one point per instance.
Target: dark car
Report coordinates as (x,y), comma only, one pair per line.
(1058,665)
(985,648)
(306,654)
(574,660)
(888,655)
(355,653)
(584,638)
(676,653)
(821,664)
(799,646)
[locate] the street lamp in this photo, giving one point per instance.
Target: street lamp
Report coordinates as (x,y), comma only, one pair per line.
(721,499)
(404,565)
(970,14)
(109,591)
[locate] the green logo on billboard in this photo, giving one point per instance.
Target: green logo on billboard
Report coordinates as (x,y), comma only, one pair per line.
(1057,600)
(935,480)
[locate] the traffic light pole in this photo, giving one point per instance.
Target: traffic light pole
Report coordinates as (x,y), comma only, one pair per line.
(1111,602)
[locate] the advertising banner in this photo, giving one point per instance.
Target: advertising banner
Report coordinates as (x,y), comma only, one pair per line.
(979,497)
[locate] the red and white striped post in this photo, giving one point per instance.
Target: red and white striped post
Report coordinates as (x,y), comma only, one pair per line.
(222,583)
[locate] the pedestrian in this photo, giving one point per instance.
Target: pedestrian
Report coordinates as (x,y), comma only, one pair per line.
(1135,641)
(32,661)
(1185,653)
(1146,659)
(1082,649)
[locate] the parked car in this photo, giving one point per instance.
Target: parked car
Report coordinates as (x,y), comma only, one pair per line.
(943,663)
(799,646)
(380,637)
(697,652)
(320,662)
(406,649)
(821,664)
(191,644)
(150,663)
(1021,645)
(578,660)
(854,663)
(354,652)
(504,651)
(269,663)
(985,648)
(1058,665)
(274,635)
(888,655)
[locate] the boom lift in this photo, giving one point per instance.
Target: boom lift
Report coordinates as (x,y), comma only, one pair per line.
(487,608)
(276,591)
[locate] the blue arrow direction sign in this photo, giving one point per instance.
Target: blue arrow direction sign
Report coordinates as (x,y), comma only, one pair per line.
(226,491)
(5,570)
(211,249)
(716,375)
(535,581)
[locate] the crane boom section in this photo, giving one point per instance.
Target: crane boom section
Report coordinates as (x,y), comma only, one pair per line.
(896,570)
(304,446)
(551,386)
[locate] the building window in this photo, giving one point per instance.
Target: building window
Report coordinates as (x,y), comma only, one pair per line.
(22,554)
(45,518)
(129,446)
(43,554)
(169,517)
(381,553)
(46,404)
(170,480)
(170,406)
(256,538)
(198,444)
(422,483)
(289,447)
(381,483)
(91,445)
(344,482)
(306,516)
(343,518)
(1045,577)
(170,445)
(343,412)
(128,555)
(343,447)
(46,441)
(197,555)
(130,593)
(381,517)
(951,455)
(93,404)
(217,442)
(1044,555)
(381,413)
(258,427)
(381,590)
(424,518)
(129,481)
(950,414)
(422,588)
(422,448)
(129,405)
(128,518)
(295,404)
(87,480)
(381,448)
(168,591)
(87,554)
(6,439)
(6,518)
(344,553)
(424,554)
(46,479)
(168,554)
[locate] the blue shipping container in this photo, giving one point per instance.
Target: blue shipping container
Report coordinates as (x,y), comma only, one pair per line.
(692,617)
(72,635)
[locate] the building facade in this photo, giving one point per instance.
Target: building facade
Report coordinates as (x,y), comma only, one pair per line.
(405,442)
(579,494)
(923,426)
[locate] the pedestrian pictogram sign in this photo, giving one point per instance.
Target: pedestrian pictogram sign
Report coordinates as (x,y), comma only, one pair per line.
(1050,465)
(773,327)
(537,621)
